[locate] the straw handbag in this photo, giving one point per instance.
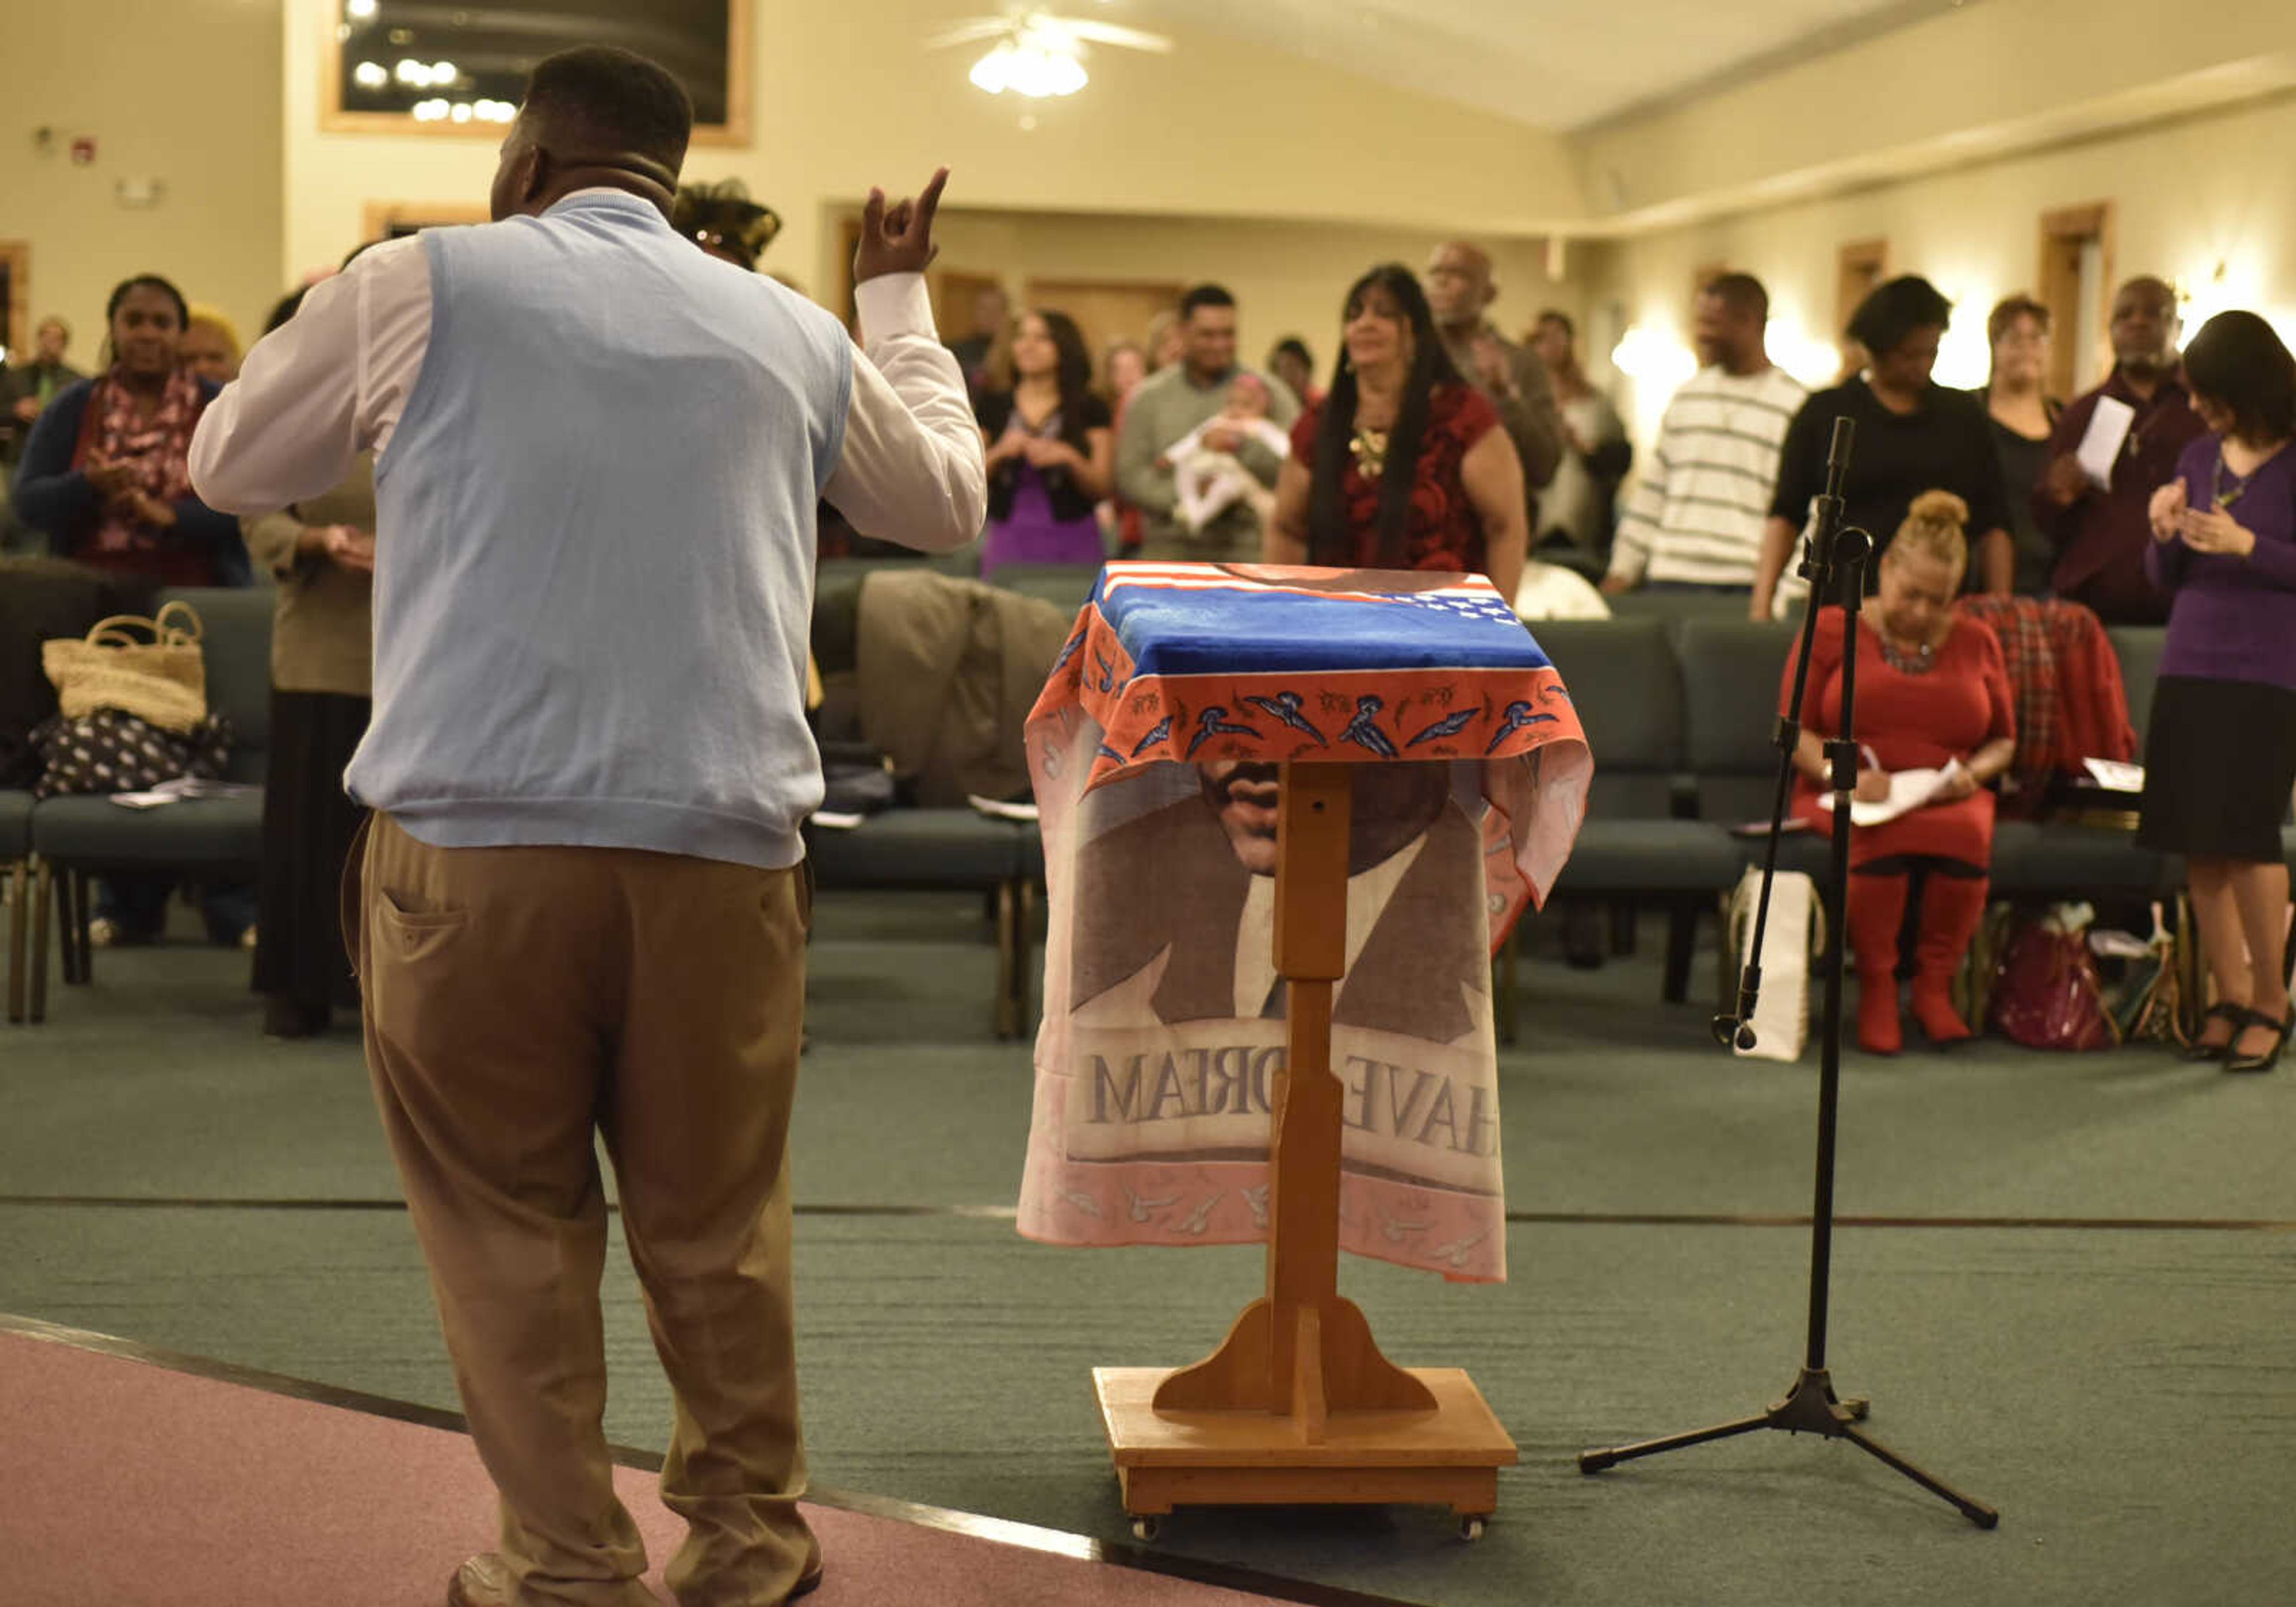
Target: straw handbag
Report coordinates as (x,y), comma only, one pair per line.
(163,682)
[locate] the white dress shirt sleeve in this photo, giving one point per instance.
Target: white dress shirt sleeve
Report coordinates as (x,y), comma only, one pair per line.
(329,383)
(911,470)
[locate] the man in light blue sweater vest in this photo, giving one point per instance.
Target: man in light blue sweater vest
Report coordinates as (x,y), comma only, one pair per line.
(579,905)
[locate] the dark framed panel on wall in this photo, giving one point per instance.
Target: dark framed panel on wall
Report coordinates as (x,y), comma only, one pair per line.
(420,67)
(397,220)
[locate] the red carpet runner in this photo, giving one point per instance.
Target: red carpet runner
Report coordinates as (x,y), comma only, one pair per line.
(124,1484)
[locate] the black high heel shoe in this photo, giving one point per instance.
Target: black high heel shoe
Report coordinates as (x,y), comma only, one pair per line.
(2270,1057)
(2222,1011)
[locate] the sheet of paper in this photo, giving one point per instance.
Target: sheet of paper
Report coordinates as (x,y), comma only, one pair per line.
(2114,775)
(2100,442)
(1909,790)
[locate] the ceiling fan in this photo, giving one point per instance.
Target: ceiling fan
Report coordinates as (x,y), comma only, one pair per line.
(1037,54)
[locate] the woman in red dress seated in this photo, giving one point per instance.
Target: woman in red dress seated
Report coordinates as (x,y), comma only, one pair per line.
(1403,465)
(1932,696)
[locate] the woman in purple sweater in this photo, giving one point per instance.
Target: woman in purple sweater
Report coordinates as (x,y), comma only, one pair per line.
(2220,759)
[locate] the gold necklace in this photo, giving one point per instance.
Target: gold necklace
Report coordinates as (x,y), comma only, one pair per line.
(1369,450)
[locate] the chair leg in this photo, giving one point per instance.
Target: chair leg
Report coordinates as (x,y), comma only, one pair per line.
(43,878)
(19,916)
(1625,914)
(1008,961)
(1024,932)
(1727,962)
(1681,945)
(72,943)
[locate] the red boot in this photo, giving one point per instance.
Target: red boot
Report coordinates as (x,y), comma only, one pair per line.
(1877,908)
(1951,908)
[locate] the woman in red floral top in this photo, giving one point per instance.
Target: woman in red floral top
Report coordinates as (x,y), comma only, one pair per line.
(1403,466)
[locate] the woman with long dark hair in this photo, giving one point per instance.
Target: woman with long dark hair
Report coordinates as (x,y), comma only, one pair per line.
(1052,447)
(1403,465)
(2220,749)
(106,470)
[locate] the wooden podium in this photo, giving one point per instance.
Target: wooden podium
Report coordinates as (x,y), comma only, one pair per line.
(1297,1406)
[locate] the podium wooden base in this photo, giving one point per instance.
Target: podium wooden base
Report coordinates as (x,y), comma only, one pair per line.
(1449,1456)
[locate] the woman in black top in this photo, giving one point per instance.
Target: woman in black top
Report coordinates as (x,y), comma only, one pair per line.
(1912,436)
(2022,415)
(1052,452)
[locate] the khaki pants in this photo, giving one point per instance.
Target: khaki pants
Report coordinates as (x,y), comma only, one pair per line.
(518,1000)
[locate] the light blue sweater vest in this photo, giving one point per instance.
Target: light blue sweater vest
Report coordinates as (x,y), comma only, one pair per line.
(595,543)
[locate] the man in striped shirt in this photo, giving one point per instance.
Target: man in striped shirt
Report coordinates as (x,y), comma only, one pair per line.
(1695,517)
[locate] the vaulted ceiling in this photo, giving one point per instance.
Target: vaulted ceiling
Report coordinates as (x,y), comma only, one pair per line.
(1554,64)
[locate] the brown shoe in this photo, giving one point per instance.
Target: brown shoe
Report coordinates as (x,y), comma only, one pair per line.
(486,1581)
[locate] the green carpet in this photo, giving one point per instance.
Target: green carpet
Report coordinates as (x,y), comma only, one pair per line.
(2126,1396)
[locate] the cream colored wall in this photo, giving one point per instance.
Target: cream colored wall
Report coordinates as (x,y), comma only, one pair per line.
(842,99)
(1949,79)
(185,92)
(1288,279)
(2189,196)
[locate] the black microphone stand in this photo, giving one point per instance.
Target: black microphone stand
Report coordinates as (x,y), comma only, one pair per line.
(1835,563)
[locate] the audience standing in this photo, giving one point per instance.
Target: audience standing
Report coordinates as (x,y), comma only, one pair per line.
(1932,694)
(1912,435)
(2099,533)
(1051,453)
(1404,465)
(209,346)
(28,386)
(104,473)
(1165,343)
(1695,520)
(723,221)
(1576,506)
(2220,748)
(1460,288)
(2022,416)
(992,313)
(1170,404)
(321,551)
(1289,361)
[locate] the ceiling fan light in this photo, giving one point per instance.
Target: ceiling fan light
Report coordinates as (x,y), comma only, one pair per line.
(994,71)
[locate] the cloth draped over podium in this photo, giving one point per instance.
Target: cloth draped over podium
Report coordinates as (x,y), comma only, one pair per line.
(1155,751)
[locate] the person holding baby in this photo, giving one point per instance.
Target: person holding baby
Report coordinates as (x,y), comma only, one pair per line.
(1165,413)
(1936,725)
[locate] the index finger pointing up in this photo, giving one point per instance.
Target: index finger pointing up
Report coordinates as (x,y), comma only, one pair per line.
(929,198)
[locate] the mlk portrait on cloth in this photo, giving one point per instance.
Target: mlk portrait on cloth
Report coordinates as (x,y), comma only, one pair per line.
(1176,905)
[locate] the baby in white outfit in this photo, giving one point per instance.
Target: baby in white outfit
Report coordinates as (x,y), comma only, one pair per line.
(1208,482)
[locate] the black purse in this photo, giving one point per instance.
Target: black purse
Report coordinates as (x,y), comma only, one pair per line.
(111,752)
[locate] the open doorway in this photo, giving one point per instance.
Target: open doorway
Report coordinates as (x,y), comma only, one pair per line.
(2076,285)
(1861,265)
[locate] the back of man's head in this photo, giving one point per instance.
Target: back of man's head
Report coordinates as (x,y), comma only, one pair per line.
(594,104)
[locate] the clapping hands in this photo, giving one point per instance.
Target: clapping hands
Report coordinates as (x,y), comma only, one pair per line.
(2214,530)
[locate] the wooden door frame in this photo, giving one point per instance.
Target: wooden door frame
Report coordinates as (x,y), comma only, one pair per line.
(1873,254)
(18,255)
(2097,220)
